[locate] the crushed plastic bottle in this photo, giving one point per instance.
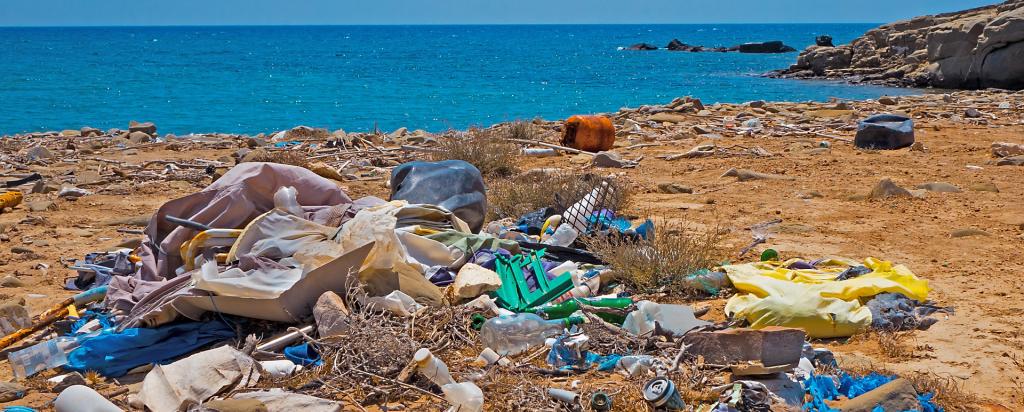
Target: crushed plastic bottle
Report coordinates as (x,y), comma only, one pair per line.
(511,335)
(40,357)
(563,236)
(464,397)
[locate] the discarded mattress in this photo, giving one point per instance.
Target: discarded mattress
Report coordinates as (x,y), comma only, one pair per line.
(811,299)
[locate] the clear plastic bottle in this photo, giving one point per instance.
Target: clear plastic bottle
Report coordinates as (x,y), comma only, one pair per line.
(563,236)
(511,335)
(41,356)
(464,396)
(433,368)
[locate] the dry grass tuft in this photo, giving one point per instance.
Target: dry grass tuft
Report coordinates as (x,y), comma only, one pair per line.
(485,149)
(527,192)
(524,130)
(662,261)
(287,157)
(894,345)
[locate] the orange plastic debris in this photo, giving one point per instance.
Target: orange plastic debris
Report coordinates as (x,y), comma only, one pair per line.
(589,133)
(10,199)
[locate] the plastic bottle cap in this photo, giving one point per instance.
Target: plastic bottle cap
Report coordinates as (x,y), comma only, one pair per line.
(422,356)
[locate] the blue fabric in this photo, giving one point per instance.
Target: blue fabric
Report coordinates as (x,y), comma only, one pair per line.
(823,388)
(87,316)
(113,354)
(303,354)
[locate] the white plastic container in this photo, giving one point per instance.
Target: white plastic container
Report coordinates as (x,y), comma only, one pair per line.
(432,367)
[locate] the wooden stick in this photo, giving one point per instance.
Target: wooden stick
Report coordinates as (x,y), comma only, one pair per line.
(553,146)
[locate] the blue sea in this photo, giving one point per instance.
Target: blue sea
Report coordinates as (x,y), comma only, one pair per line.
(260,79)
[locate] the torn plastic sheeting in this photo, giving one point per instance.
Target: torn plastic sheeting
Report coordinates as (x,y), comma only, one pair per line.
(388,266)
(240,195)
(113,354)
(278,400)
(266,283)
(292,305)
(811,299)
(193,380)
(453,184)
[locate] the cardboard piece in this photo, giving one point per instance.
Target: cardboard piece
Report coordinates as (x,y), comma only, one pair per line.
(292,306)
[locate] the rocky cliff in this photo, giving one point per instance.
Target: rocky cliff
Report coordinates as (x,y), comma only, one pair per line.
(970,49)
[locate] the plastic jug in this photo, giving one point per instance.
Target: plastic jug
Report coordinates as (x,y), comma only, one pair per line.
(510,335)
(563,236)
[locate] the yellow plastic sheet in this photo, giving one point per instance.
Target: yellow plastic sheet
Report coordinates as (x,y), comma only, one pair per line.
(811,299)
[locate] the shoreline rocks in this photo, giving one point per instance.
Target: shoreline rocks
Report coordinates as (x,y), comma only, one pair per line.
(971,49)
(774,46)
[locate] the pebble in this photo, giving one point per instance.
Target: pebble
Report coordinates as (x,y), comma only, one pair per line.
(22,250)
(985,187)
(972,113)
(888,101)
(939,187)
(608,159)
(10,281)
(674,188)
(968,232)
(886,188)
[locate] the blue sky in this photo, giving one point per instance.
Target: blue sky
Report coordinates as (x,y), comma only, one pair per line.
(276,12)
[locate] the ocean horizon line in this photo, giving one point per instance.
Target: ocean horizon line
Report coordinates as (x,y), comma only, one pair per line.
(100,26)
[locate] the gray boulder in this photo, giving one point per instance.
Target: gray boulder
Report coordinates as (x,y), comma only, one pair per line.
(775,46)
(147,127)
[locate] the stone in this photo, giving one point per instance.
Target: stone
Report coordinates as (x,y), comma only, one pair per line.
(810,195)
(325,170)
(757,104)
(69,133)
(824,41)
(41,206)
(1011,161)
(400,132)
(145,127)
(668,117)
(884,132)
(234,405)
(939,187)
(1004,149)
(137,137)
(972,113)
(771,346)
(698,129)
(13,316)
(985,187)
(918,147)
(71,379)
(674,188)
(642,47)
(138,220)
(39,153)
(885,189)
(331,315)
(676,45)
(474,280)
(744,175)
(11,281)
(888,101)
(90,132)
(775,46)
(10,391)
(608,159)
(898,395)
(71,192)
(968,232)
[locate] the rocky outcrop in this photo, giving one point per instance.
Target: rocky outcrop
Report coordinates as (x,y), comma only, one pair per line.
(970,49)
(642,46)
(765,47)
(824,41)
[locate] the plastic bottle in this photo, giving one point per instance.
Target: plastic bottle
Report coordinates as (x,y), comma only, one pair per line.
(39,357)
(510,335)
(567,308)
(464,396)
(280,368)
(433,368)
(563,236)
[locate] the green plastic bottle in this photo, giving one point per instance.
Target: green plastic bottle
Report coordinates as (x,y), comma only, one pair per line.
(567,308)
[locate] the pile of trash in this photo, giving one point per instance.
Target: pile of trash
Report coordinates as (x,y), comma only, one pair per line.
(271,289)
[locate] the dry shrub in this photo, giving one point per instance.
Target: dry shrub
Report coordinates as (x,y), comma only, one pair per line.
(662,261)
(523,130)
(485,149)
(287,157)
(527,192)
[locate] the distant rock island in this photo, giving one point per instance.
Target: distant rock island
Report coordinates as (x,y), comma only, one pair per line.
(971,49)
(762,47)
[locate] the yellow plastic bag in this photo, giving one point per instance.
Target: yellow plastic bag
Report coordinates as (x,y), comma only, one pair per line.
(810,299)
